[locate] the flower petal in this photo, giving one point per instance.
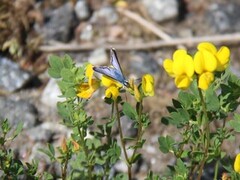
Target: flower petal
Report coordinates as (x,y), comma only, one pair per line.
(85,90)
(204,61)
(168,66)
(182,82)
(205,80)
(107,82)
(89,71)
(148,85)
(207,46)
(112,92)
(237,164)
(223,56)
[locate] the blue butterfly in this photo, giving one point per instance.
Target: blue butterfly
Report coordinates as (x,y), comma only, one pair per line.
(114,72)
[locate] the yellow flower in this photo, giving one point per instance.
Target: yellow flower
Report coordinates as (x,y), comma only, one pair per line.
(107,82)
(237,163)
(204,61)
(181,68)
(222,55)
(148,85)
(137,94)
(205,80)
(112,92)
(86,89)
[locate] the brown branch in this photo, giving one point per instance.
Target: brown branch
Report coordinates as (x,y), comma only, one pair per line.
(188,42)
(146,24)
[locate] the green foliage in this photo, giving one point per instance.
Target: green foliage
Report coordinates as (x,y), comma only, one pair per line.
(193,113)
(11,167)
(166,144)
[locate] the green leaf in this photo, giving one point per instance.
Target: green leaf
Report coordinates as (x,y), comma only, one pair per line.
(135,158)
(179,118)
(54,73)
(212,101)
(56,66)
(176,103)
(235,123)
(129,111)
(186,99)
(114,153)
(67,75)
(51,149)
(165,143)
(18,129)
(67,61)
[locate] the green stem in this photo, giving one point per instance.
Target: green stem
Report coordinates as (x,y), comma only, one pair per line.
(90,167)
(123,142)
(216,170)
(140,130)
(206,132)
(64,168)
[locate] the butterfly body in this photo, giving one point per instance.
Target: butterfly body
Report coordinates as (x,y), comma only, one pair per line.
(114,71)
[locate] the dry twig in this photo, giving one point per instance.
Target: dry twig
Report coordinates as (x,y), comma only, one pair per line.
(146,24)
(188,42)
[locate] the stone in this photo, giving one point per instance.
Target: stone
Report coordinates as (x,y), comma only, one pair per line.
(142,63)
(16,111)
(223,18)
(105,15)
(82,10)
(98,57)
(50,94)
(59,23)
(86,33)
(12,76)
(161,10)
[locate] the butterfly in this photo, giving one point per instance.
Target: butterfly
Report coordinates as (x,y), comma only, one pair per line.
(114,71)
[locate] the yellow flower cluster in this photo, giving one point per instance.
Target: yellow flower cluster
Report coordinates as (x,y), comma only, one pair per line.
(86,89)
(204,63)
(237,164)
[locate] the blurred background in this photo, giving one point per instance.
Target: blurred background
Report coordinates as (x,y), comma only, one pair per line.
(143,32)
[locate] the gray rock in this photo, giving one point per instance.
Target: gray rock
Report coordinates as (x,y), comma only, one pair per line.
(59,23)
(224,18)
(16,111)
(161,10)
(105,15)
(143,63)
(12,76)
(128,127)
(39,133)
(87,33)
(51,93)
(82,10)
(98,57)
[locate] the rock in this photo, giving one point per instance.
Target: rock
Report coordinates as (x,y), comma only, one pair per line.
(98,57)
(16,111)
(39,133)
(143,63)
(86,33)
(161,10)
(105,15)
(223,18)
(128,127)
(12,76)
(51,93)
(82,10)
(59,24)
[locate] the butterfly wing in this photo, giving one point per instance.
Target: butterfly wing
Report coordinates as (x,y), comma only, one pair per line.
(110,72)
(114,72)
(114,60)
